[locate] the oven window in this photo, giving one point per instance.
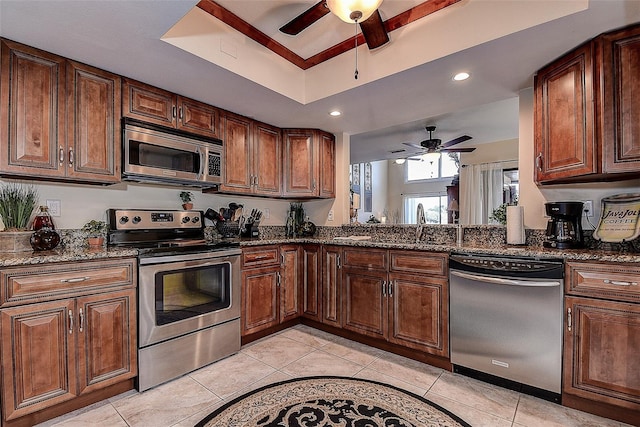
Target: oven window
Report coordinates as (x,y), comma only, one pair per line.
(185,293)
(156,156)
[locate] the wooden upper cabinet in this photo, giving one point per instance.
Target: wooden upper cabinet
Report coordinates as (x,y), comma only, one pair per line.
(94,111)
(309,163)
(564,117)
(267,159)
(620,98)
(61,118)
(154,105)
(237,154)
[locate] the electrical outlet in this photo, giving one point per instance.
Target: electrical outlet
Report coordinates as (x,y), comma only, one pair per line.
(330,216)
(587,208)
(267,213)
(54,207)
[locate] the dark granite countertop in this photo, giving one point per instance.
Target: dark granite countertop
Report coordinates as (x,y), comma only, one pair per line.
(63,255)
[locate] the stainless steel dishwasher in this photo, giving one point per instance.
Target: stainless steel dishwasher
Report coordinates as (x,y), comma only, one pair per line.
(506,320)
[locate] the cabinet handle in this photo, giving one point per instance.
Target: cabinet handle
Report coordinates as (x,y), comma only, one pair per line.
(314,184)
(81,315)
(278,278)
(619,283)
(338,264)
(255,180)
(569,319)
(282,258)
(70,322)
(260,258)
(71,156)
(390,288)
(180,113)
(539,161)
(75,279)
(173,111)
(384,288)
(61,155)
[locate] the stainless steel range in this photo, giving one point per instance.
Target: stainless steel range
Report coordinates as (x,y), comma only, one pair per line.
(188,291)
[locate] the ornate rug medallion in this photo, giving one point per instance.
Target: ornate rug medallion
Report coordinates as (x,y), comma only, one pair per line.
(328,402)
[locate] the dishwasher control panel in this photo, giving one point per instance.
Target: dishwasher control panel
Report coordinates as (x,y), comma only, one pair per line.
(505,266)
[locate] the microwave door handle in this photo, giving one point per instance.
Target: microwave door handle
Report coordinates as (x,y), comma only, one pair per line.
(202,162)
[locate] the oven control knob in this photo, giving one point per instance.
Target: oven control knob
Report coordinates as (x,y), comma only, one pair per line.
(195,219)
(185,219)
(136,219)
(124,219)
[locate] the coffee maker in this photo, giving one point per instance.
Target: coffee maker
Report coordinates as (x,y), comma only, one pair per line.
(564,229)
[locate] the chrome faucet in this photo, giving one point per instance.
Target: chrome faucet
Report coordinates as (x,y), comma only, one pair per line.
(421,221)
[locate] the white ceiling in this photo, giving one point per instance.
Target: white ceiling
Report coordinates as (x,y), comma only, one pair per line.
(125,37)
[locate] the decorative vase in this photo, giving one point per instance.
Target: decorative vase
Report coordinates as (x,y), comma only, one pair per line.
(43,219)
(44,239)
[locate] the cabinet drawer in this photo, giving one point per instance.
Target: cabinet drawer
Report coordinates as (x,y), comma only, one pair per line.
(366,258)
(418,262)
(260,256)
(620,282)
(45,282)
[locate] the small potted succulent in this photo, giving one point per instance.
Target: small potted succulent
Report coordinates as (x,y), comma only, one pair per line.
(96,231)
(187,198)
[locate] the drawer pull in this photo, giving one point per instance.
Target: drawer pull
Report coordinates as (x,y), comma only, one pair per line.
(619,283)
(261,257)
(75,279)
(81,315)
(70,322)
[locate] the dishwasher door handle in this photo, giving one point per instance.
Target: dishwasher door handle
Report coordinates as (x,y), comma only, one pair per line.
(501,281)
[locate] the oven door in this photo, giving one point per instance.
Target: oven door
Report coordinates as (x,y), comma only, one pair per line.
(185,293)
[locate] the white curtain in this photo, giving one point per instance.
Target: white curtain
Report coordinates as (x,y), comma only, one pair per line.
(481,191)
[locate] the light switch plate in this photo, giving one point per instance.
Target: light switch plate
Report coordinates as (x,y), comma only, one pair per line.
(54,207)
(330,216)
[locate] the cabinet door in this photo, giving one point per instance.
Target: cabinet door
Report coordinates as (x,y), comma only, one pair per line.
(621,100)
(197,117)
(107,349)
(311,299)
(267,160)
(418,313)
(94,138)
(331,286)
(38,357)
(327,167)
(564,123)
(259,299)
(32,107)
(300,167)
(290,297)
(238,175)
(602,344)
(364,302)
(148,103)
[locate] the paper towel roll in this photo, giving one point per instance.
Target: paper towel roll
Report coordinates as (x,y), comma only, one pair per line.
(515,225)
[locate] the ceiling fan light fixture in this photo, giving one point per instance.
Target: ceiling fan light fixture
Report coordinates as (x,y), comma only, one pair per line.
(432,156)
(400,161)
(351,11)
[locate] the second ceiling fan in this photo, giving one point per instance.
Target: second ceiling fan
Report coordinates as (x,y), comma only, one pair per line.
(373,29)
(434,145)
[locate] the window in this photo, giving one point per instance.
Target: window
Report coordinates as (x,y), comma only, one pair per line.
(428,166)
(435,208)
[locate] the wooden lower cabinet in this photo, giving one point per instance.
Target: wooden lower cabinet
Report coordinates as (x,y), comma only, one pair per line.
(311,282)
(364,303)
(331,292)
(271,293)
(68,334)
(601,367)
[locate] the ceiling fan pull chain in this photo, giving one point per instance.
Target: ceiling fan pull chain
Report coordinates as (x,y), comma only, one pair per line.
(355,76)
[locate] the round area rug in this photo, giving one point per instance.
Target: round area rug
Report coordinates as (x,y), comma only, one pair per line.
(330,401)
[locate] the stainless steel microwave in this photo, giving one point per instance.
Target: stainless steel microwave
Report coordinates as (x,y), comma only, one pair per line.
(160,155)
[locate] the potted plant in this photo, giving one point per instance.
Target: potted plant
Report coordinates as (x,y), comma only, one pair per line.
(17,203)
(96,231)
(187,198)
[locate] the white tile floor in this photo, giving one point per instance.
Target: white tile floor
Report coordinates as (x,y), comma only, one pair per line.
(303,351)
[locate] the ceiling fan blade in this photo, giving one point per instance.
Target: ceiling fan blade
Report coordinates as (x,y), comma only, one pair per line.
(458,150)
(411,144)
(373,31)
(305,19)
(455,141)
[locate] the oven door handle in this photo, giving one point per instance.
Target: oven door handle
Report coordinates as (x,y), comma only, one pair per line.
(501,281)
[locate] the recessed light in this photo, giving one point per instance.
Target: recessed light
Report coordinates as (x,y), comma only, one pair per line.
(335,113)
(461,76)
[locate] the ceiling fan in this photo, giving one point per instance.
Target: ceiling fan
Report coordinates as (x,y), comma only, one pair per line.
(373,29)
(435,145)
